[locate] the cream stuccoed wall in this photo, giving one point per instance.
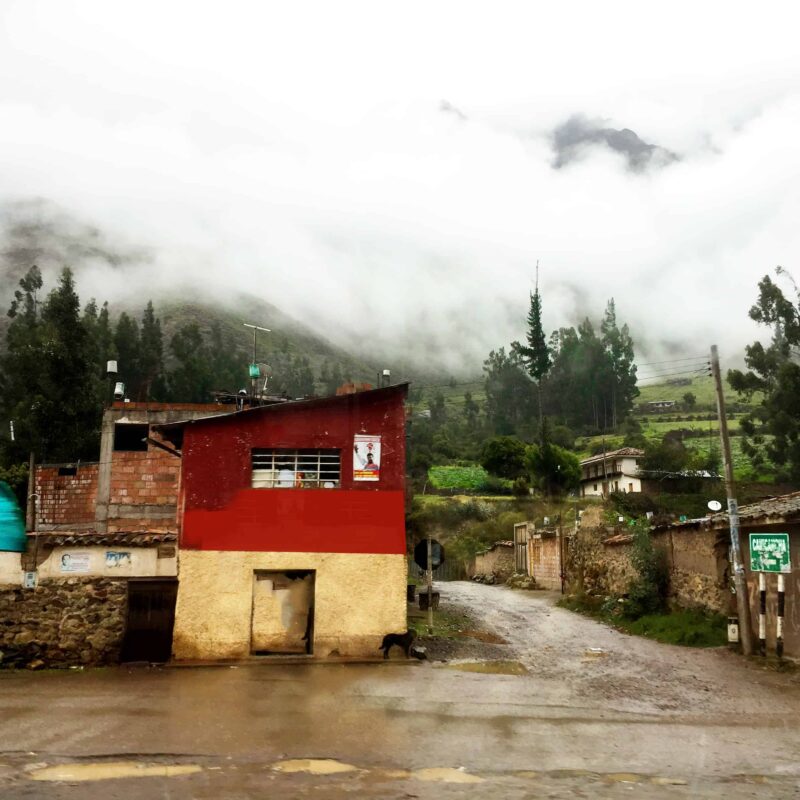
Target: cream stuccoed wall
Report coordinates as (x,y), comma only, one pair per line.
(143,562)
(358,598)
(10,569)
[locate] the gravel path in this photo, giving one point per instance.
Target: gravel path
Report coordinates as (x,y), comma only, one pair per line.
(625,672)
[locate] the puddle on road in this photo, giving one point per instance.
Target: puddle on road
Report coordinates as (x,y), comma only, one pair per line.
(109,770)
(445,775)
(314,766)
(489,667)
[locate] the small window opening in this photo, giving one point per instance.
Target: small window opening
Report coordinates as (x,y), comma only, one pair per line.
(296,469)
(129,437)
(67,471)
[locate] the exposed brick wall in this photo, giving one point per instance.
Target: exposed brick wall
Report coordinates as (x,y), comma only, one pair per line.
(66,499)
(63,622)
(545,561)
(149,478)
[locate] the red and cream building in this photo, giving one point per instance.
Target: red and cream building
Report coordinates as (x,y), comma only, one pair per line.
(292,528)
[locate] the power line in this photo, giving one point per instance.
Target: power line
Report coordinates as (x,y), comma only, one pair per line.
(675,361)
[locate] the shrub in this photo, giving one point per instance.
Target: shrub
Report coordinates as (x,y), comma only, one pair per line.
(647,592)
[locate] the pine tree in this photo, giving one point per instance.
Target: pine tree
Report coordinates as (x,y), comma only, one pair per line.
(151,357)
(536,354)
(67,416)
(128,347)
(191,381)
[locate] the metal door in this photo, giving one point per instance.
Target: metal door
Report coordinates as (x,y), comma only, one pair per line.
(151,617)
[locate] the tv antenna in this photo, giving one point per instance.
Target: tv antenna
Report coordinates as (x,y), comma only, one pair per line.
(255,371)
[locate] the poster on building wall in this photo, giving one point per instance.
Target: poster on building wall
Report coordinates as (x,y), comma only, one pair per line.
(75,562)
(115,558)
(366,458)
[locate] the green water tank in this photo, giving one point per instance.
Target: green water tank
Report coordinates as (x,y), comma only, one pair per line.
(12,522)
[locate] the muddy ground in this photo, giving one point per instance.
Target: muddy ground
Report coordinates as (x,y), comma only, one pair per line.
(575,709)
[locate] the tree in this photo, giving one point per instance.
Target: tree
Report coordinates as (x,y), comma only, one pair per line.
(191,381)
(618,346)
(689,400)
(504,456)
(772,430)
(471,412)
(67,410)
(508,395)
(128,348)
(535,356)
(152,384)
(552,468)
(438,410)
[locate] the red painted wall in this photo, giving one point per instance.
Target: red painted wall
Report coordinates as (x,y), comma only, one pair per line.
(222,512)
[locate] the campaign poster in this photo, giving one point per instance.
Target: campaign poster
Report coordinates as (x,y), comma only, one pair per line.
(366,458)
(75,562)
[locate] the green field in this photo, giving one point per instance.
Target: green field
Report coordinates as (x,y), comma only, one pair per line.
(467,477)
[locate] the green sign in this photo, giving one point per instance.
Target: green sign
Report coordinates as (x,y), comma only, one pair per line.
(769,552)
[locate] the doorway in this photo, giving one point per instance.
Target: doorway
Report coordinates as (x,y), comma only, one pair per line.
(151,618)
(283,613)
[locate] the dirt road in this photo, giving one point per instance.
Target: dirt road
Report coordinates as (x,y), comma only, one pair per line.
(637,719)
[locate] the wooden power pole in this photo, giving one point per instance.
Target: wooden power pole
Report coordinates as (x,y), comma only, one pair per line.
(739,582)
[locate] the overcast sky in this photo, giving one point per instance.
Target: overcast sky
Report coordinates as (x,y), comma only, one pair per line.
(300,151)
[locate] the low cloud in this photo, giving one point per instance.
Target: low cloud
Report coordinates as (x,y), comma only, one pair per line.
(308,158)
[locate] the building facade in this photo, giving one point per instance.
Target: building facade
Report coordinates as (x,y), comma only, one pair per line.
(292,528)
(617,471)
(97,580)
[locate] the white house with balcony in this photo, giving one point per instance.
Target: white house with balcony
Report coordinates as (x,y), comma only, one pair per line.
(616,471)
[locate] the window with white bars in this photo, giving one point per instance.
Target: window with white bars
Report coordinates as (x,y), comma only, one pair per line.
(296,469)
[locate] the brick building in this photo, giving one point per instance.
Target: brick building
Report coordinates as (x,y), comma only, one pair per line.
(98,580)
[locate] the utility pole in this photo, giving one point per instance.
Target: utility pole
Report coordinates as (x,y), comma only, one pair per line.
(254,365)
(739,582)
(430,584)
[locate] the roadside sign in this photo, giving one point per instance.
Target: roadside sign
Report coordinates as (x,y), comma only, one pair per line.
(421,554)
(769,552)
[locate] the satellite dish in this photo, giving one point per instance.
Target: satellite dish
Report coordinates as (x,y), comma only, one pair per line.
(715,505)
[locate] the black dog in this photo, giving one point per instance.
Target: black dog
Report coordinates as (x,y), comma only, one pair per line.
(403,640)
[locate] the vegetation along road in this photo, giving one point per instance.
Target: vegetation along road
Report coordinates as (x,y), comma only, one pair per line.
(573,709)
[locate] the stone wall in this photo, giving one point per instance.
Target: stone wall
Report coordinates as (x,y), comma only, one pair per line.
(63,622)
(599,563)
(497,561)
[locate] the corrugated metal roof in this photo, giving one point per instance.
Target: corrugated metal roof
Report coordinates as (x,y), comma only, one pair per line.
(168,428)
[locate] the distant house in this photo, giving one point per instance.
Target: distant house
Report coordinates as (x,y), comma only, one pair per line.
(661,405)
(617,471)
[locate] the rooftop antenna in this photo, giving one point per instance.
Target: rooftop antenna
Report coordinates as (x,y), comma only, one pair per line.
(255,372)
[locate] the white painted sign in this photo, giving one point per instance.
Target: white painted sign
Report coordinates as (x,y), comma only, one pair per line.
(366,458)
(29,580)
(75,562)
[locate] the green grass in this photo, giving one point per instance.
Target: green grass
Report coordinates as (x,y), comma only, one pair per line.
(701,387)
(447,624)
(680,627)
(688,628)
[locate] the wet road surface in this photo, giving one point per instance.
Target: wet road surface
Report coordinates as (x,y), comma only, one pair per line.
(589,712)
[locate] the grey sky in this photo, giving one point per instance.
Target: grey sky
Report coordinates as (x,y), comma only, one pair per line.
(300,151)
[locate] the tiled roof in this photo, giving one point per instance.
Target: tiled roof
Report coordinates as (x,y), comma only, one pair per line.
(772,511)
(86,538)
(623,451)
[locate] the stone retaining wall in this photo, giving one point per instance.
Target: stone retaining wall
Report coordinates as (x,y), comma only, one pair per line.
(599,563)
(63,622)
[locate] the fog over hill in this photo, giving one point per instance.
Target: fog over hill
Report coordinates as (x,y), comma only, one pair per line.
(390,182)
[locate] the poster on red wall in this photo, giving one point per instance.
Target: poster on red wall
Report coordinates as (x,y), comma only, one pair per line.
(366,458)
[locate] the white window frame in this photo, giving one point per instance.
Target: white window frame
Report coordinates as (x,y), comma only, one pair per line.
(303,468)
